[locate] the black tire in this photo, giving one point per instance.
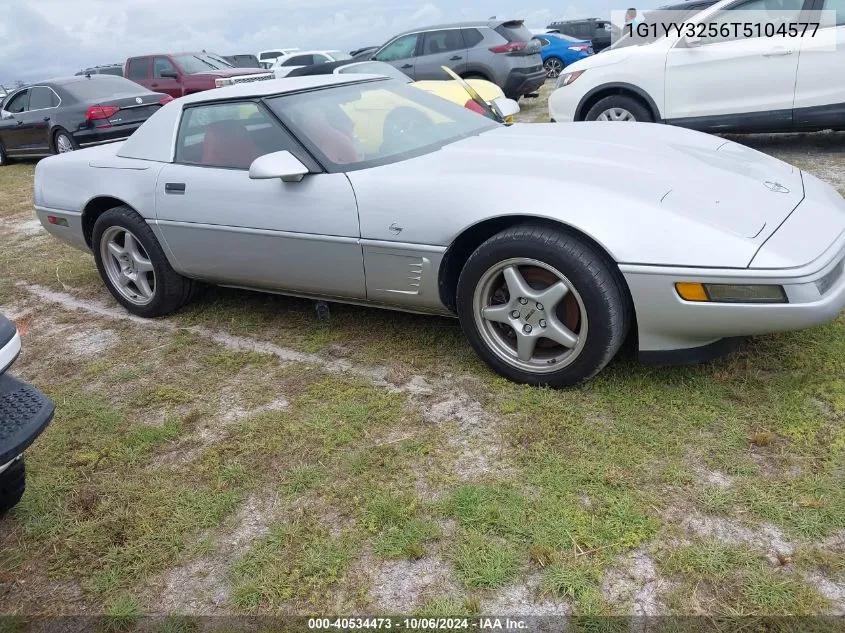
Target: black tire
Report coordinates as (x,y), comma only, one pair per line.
(12,486)
(4,157)
(640,112)
(595,278)
(171,290)
(62,132)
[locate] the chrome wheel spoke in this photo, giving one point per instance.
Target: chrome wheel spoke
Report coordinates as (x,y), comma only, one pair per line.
(525,344)
(515,283)
(559,333)
(551,296)
(142,264)
(116,250)
(143,286)
(497,314)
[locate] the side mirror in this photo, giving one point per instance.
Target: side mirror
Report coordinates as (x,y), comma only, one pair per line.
(282,165)
(169,74)
(507,107)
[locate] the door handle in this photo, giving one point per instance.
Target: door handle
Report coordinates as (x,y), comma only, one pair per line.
(46,119)
(154,85)
(174,187)
(408,66)
(20,122)
(779,52)
(455,58)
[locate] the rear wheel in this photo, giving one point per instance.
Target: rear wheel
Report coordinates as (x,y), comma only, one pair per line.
(63,142)
(619,108)
(553,66)
(12,485)
(134,267)
(542,307)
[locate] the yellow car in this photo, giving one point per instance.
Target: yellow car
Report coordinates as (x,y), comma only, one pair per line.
(449,89)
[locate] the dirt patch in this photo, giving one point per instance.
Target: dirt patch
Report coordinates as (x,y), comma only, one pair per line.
(201,587)
(637,584)
(403,586)
(523,600)
(835,592)
(92,342)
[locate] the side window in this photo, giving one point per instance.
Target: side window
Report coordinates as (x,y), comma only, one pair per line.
(19,103)
(403,48)
(543,41)
(117,71)
(138,68)
(839,7)
(321,59)
(270,55)
(472,37)
(299,60)
(41,98)
(776,12)
(444,41)
(228,135)
(160,65)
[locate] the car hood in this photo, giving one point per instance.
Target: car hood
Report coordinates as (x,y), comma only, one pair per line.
(607,57)
(701,177)
(649,193)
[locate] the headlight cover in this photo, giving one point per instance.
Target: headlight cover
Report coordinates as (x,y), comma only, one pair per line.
(568,78)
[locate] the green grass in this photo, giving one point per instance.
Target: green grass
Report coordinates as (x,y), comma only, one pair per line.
(483,562)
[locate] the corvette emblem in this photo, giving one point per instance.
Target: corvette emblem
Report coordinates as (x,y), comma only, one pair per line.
(776,187)
(138,100)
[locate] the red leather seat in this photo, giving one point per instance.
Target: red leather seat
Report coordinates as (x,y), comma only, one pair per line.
(229,144)
(337,146)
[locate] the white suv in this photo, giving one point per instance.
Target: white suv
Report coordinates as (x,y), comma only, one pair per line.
(718,84)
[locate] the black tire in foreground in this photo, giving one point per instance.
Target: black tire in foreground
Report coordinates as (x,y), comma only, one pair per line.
(168,290)
(570,339)
(620,104)
(12,485)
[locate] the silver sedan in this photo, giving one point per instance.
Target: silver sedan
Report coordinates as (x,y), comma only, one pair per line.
(551,243)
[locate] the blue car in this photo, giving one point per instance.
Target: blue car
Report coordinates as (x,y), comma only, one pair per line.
(561,50)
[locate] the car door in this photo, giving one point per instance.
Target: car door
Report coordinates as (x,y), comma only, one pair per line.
(735,82)
(13,134)
(36,121)
(819,100)
(166,77)
(221,226)
(445,47)
(401,53)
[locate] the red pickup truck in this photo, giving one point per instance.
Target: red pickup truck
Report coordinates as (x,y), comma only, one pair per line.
(181,74)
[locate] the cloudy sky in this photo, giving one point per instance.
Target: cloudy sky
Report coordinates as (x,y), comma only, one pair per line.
(46,38)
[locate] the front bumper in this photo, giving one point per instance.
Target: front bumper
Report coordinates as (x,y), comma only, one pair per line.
(665,322)
(563,102)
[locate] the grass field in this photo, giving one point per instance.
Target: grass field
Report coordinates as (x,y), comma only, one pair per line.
(242,457)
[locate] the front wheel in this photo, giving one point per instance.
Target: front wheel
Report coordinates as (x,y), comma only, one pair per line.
(619,108)
(542,307)
(134,267)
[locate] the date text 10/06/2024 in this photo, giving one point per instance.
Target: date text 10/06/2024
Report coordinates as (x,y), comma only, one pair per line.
(444,624)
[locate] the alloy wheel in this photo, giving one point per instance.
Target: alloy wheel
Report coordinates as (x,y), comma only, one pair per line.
(127,265)
(616,114)
(553,68)
(63,144)
(530,315)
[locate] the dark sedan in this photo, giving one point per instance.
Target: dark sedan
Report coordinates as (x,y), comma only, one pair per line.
(61,115)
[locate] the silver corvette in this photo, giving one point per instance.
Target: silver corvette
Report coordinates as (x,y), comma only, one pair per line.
(551,243)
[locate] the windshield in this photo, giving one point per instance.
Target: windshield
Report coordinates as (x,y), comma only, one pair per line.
(361,125)
(200,63)
(375,68)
